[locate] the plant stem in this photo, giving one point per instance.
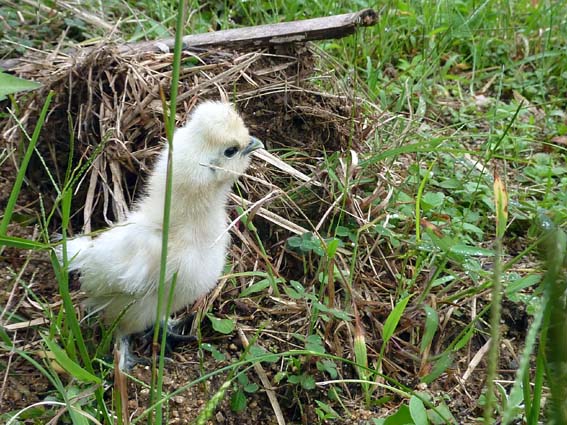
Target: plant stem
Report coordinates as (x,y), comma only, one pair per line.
(495,313)
(170,127)
(24,166)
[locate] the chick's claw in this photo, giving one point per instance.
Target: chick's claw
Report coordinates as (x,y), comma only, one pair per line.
(174,335)
(181,326)
(126,358)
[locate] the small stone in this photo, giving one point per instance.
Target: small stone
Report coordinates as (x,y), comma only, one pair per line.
(233,347)
(145,392)
(219,417)
(179,399)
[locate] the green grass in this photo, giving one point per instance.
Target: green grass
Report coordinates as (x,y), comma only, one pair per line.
(467,89)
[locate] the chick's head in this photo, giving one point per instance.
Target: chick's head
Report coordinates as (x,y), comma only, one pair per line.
(216,139)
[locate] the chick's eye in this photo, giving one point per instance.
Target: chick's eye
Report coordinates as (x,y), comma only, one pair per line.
(230,152)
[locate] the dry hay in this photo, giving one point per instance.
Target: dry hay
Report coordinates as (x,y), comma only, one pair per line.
(115,100)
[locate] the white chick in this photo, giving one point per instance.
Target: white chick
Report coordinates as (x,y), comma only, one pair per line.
(119,269)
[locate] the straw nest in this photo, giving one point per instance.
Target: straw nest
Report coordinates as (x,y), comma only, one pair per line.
(113,103)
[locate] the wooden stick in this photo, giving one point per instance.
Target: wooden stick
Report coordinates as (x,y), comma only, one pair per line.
(327,27)
(265,382)
(336,26)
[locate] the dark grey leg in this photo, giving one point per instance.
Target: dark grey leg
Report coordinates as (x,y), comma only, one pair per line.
(126,359)
(176,333)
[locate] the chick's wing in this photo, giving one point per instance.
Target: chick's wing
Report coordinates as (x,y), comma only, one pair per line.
(122,260)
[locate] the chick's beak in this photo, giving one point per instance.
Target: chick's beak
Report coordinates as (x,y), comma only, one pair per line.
(252,146)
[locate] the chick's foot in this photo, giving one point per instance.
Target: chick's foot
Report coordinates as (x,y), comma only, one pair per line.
(174,334)
(126,358)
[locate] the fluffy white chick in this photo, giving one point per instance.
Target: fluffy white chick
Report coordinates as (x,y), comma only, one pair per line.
(119,269)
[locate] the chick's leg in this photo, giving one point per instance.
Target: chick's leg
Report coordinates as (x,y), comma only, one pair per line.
(178,330)
(175,333)
(126,359)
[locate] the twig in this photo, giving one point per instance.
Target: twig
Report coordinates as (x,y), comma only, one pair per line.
(323,28)
(265,382)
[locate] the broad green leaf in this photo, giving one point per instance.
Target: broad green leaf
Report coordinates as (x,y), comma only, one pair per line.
(451,183)
(431,325)
(224,326)
(77,417)
(471,250)
(473,229)
(329,367)
(292,293)
(441,415)
(256,287)
(327,410)
(10,85)
(243,379)
(305,380)
(75,370)
(238,401)
(393,319)
(417,411)
(442,280)
(339,314)
(401,417)
(294,242)
(432,200)
(332,246)
(522,283)
(257,351)
(464,339)
(314,343)
(445,243)
(441,366)
(251,387)
(217,355)
(297,286)
(32,415)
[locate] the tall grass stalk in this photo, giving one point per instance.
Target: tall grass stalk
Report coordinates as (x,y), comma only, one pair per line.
(522,382)
(555,251)
(157,380)
(75,336)
(501,206)
(549,325)
(74,341)
(24,166)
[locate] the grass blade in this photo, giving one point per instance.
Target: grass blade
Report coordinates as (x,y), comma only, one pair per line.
(393,319)
(170,128)
(501,206)
(24,165)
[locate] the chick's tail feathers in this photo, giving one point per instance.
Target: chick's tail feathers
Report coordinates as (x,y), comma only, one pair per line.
(76,249)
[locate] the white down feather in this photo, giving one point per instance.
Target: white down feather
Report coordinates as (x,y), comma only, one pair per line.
(119,269)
